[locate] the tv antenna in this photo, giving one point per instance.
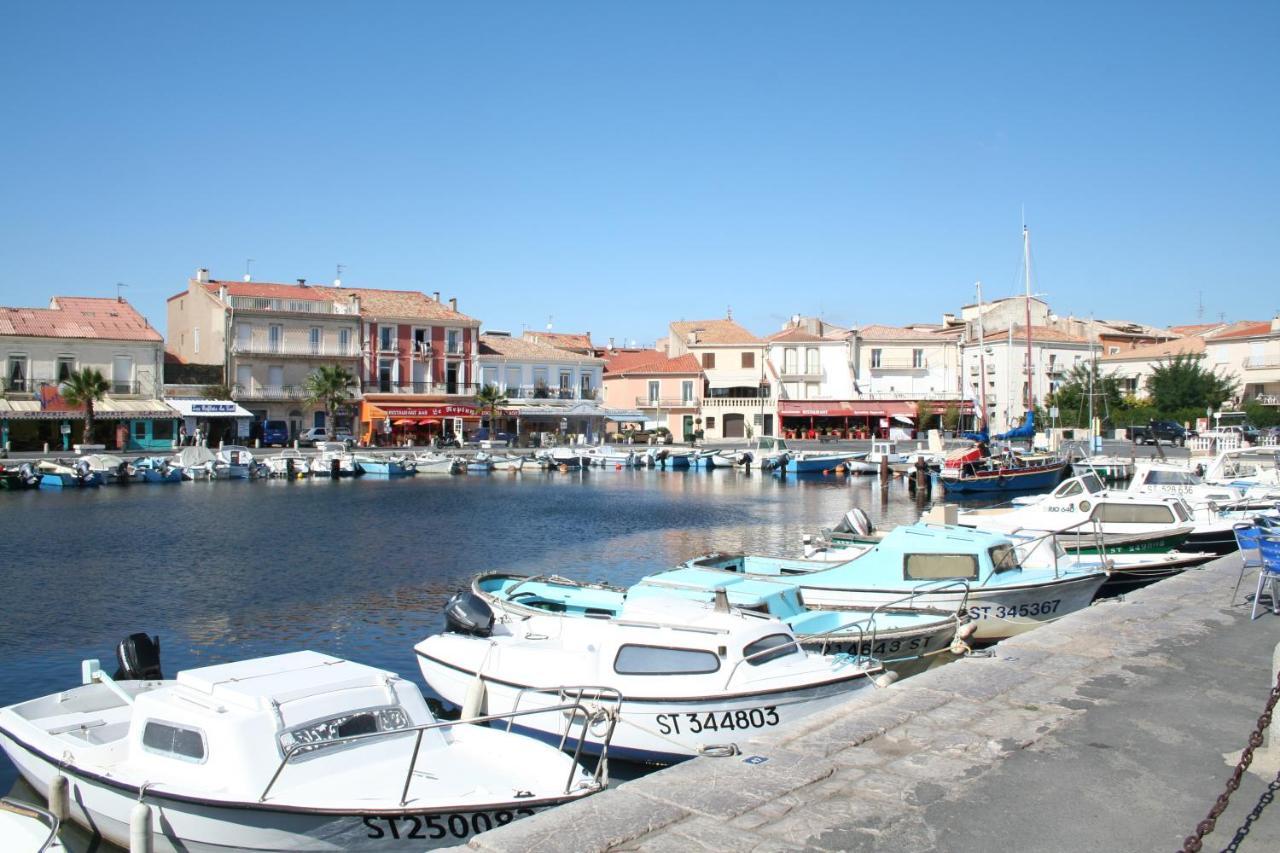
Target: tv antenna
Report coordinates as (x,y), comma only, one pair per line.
(550,317)
(1200,306)
(119,296)
(248,275)
(337,273)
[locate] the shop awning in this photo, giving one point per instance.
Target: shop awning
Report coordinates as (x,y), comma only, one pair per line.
(862,408)
(578,410)
(108,409)
(417,411)
(199,407)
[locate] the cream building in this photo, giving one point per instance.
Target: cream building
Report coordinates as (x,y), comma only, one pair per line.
(998,368)
(737,399)
(1248,353)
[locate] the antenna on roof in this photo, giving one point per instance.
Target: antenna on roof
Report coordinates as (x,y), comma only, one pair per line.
(550,317)
(119,296)
(1200,306)
(337,274)
(248,262)
(728,314)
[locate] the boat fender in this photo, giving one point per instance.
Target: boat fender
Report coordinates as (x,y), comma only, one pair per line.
(473,703)
(886,678)
(140,837)
(60,797)
(967,630)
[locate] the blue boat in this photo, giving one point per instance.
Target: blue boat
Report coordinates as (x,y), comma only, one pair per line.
(155,469)
(383,466)
(976,471)
(55,475)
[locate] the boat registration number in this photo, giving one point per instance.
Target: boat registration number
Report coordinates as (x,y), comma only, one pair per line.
(433,827)
(880,647)
(1010,611)
(696,722)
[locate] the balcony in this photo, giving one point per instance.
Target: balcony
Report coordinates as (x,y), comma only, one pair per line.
(290,306)
(1267,399)
(941,396)
(29,388)
(257,391)
(290,349)
(466,389)
(666,403)
(900,364)
(737,403)
(538,392)
(797,375)
(1262,362)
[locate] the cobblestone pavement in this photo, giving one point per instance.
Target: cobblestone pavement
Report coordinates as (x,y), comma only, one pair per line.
(1104,730)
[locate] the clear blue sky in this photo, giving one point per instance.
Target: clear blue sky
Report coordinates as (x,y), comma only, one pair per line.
(618,165)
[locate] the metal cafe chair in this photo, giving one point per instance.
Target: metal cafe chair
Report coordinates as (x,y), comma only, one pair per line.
(1269,547)
(1247,538)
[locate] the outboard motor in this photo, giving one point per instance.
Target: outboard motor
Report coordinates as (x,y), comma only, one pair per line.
(467,613)
(28,473)
(83,469)
(139,658)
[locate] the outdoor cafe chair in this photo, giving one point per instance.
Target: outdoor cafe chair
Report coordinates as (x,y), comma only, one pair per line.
(1247,538)
(1269,547)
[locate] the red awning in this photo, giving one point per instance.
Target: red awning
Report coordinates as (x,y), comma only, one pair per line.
(858,408)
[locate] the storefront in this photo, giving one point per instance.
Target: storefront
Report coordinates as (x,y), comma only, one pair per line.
(214,420)
(859,418)
(384,424)
(539,423)
(118,424)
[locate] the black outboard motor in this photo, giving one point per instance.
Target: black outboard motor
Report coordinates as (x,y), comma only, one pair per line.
(467,613)
(139,658)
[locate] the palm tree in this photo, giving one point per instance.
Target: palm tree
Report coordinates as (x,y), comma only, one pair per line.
(329,387)
(489,397)
(85,387)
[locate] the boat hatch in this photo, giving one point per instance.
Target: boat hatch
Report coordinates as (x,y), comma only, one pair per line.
(929,567)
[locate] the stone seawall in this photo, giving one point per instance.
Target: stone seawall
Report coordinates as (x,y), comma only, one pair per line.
(1106,727)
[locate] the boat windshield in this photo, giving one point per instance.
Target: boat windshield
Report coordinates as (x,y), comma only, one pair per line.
(1172,478)
(769,648)
(317,732)
(1091,483)
(1004,558)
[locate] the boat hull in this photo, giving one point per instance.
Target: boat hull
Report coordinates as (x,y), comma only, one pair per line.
(1004,481)
(653,731)
(203,825)
(997,612)
(816,465)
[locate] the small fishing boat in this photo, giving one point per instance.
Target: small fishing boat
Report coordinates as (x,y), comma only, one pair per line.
(677,459)
(560,459)
(481,463)
(432,462)
(384,466)
(155,469)
(59,474)
(113,470)
(717,459)
(298,751)
(288,463)
(235,462)
(686,678)
(26,828)
(814,462)
(979,469)
(22,476)
(511,462)
(334,463)
(902,639)
(609,456)
(196,463)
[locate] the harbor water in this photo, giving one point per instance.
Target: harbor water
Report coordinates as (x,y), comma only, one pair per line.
(226,570)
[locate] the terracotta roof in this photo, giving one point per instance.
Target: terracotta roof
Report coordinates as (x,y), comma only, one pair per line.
(1042,334)
(1164,349)
(79,317)
(1194,328)
(270,290)
(687,363)
(722,331)
(1243,329)
(876,332)
(620,360)
(502,346)
(798,336)
(398,304)
(562,340)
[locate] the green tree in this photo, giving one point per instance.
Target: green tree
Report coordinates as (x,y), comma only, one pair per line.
(329,387)
(1182,382)
(951,417)
(85,387)
(491,399)
(221,391)
(1072,396)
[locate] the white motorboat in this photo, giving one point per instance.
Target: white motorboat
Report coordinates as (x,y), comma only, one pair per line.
(1255,469)
(299,751)
(155,469)
(687,677)
(608,456)
(886,450)
(113,469)
(26,828)
(717,459)
(1163,478)
(331,462)
(62,474)
(432,462)
(196,463)
(288,463)
(235,462)
(560,458)
(385,466)
(510,462)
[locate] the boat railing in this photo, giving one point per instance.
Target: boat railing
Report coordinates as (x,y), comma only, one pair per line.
(797,643)
(1095,526)
(576,714)
(574,695)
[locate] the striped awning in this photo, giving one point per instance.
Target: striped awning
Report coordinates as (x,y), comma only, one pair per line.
(107,409)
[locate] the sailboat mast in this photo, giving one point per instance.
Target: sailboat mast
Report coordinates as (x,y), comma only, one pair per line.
(1026,265)
(982,359)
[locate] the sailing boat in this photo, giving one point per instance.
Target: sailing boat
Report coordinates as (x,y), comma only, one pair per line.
(1110,469)
(976,469)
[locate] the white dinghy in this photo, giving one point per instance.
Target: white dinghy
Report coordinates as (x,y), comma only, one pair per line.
(300,751)
(686,677)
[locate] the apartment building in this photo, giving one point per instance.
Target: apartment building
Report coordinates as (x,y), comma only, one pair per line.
(1132,367)
(737,397)
(1249,353)
(997,367)
(666,392)
(548,389)
(270,338)
(42,347)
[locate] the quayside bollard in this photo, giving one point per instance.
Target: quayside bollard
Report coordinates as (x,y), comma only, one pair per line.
(60,798)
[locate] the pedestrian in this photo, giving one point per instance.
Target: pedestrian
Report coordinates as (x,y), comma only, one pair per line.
(199,440)
(182,435)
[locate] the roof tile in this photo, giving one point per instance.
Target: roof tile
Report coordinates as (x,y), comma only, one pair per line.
(79,317)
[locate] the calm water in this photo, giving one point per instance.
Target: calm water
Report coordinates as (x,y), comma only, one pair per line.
(360,569)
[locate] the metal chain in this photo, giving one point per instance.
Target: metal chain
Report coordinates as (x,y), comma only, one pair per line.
(1193,843)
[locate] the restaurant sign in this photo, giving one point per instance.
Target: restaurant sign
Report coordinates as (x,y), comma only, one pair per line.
(446,411)
(210,408)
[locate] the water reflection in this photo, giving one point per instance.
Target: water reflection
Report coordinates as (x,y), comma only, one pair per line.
(360,569)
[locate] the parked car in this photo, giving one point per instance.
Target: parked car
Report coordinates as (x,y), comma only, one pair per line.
(1166,431)
(309,437)
(275,433)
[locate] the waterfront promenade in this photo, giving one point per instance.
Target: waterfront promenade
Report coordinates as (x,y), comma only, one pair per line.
(1105,730)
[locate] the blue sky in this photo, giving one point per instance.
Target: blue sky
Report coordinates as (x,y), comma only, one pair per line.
(619,165)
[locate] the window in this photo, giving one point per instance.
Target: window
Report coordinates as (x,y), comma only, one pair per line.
(657,660)
(315,340)
(1068,489)
(875,357)
(711,421)
(1003,558)
(275,377)
(584,386)
(195,338)
(1126,513)
(1113,350)
(654,390)
(770,648)
(917,358)
(315,734)
(386,373)
(66,367)
(453,341)
(789,360)
(344,342)
(122,374)
(513,380)
(140,430)
(540,382)
(566,384)
(174,742)
(1171,478)
(812,364)
(489,376)
(386,338)
(708,361)
(748,359)
(162,430)
(928,567)
(275,337)
(811,390)
(686,391)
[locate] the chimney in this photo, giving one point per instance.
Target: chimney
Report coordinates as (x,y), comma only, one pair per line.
(302,282)
(222,293)
(436,295)
(202,275)
(453,303)
(1275,323)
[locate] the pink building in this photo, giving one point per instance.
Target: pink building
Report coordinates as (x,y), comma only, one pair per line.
(667,391)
